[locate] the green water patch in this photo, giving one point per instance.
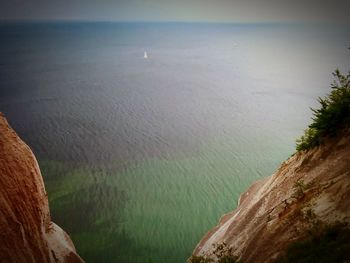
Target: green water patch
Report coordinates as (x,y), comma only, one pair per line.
(158,209)
(89,209)
(173,203)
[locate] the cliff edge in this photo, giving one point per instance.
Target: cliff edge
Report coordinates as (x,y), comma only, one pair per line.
(26,231)
(310,189)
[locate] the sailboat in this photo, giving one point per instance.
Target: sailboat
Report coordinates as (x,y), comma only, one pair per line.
(145,55)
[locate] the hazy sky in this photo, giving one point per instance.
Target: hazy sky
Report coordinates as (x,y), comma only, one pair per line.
(313,11)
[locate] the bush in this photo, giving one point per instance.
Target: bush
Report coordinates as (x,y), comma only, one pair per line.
(332,116)
(200,259)
(222,253)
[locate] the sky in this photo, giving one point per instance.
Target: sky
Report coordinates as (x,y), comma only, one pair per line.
(239,11)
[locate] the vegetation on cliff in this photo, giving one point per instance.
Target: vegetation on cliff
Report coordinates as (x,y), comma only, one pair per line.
(222,254)
(332,116)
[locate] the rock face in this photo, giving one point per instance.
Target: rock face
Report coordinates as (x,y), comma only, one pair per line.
(26,231)
(309,187)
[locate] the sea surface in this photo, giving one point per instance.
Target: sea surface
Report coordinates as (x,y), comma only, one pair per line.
(141,156)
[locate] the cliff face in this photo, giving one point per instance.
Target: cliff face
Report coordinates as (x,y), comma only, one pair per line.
(26,231)
(308,188)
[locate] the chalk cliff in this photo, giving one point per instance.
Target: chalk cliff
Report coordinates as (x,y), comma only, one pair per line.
(26,231)
(309,188)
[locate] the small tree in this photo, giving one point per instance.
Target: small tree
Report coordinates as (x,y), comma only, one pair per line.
(333,115)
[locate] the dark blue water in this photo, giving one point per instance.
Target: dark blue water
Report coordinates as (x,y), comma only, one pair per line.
(141,157)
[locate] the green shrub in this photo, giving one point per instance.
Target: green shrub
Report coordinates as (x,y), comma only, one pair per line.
(333,115)
(222,253)
(200,259)
(299,189)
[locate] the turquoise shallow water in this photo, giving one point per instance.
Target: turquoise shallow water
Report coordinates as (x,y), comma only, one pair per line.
(141,157)
(155,201)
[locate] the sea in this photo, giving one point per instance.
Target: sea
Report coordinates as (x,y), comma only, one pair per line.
(142,154)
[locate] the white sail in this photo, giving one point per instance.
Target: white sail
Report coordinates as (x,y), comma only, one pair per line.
(145,55)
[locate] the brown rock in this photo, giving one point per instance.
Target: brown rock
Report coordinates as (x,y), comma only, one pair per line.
(26,231)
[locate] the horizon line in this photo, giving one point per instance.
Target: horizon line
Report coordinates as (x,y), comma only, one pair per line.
(41,21)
